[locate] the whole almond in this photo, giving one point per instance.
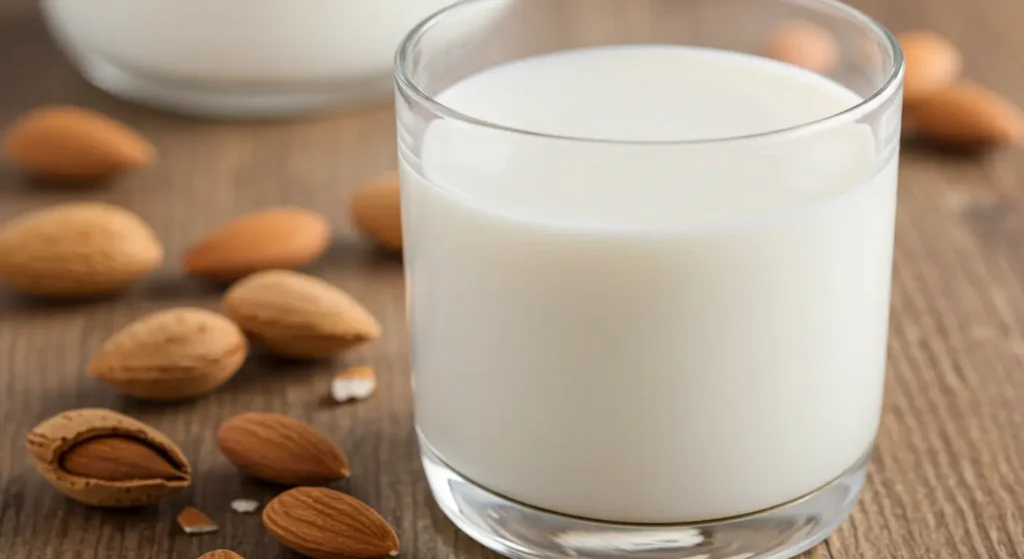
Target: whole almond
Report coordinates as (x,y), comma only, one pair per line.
(221,554)
(268,239)
(73,143)
(299,316)
(967,115)
(933,64)
(171,355)
(279,449)
(325,524)
(803,44)
(77,249)
(377,211)
(103,458)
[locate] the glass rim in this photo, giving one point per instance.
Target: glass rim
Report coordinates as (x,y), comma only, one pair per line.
(407,84)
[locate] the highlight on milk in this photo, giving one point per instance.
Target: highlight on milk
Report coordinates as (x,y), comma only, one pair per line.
(648,283)
(237,57)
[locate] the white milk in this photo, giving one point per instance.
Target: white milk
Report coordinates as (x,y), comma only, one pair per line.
(649,333)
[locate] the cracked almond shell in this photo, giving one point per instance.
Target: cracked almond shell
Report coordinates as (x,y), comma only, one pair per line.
(50,440)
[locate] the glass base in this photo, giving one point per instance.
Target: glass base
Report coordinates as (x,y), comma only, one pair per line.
(227,103)
(523,532)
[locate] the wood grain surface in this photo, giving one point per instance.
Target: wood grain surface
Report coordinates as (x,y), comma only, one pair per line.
(947,480)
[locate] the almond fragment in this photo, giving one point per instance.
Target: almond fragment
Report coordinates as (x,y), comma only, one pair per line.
(195,522)
(117,459)
(377,211)
(273,238)
(967,115)
(77,249)
(221,554)
(933,64)
(73,143)
(353,384)
(245,506)
(803,44)
(299,316)
(279,449)
(325,524)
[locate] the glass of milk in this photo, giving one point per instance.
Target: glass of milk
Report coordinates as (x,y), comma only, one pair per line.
(648,271)
(237,58)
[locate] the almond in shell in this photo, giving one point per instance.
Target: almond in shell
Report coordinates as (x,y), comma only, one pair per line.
(273,238)
(77,249)
(106,459)
(298,316)
(377,211)
(325,524)
(279,449)
(171,355)
(65,142)
(967,115)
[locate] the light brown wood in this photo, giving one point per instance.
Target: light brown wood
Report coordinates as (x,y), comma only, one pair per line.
(947,480)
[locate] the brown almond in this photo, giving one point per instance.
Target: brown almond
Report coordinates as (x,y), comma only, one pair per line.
(803,44)
(171,355)
(273,238)
(377,211)
(195,522)
(299,316)
(933,64)
(967,115)
(325,524)
(77,249)
(279,449)
(66,142)
(221,554)
(91,455)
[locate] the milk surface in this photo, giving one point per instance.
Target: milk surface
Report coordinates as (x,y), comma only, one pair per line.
(633,330)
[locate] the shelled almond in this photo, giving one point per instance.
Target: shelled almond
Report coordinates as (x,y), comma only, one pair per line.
(377,211)
(803,44)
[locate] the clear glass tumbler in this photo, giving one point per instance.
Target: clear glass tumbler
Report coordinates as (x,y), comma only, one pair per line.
(648,269)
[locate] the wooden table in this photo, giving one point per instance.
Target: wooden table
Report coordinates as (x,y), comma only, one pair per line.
(947,480)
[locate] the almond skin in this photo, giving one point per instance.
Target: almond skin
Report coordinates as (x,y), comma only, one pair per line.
(298,316)
(967,115)
(377,211)
(803,44)
(73,451)
(77,249)
(172,354)
(65,142)
(221,554)
(933,64)
(284,237)
(325,524)
(282,450)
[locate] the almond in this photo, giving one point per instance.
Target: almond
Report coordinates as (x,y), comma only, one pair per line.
(77,249)
(299,316)
(221,554)
(357,383)
(195,522)
(967,115)
(73,143)
(279,449)
(933,64)
(103,458)
(325,524)
(272,238)
(377,211)
(803,44)
(171,355)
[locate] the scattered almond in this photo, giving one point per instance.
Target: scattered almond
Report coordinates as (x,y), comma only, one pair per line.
(803,44)
(77,249)
(73,143)
(326,524)
(377,211)
(298,316)
(353,384)
(967,115)
(245,506)
(103,458)
(933,64)
(279,449)
(221,554)
(171,355)
(268,239)
(195,522)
